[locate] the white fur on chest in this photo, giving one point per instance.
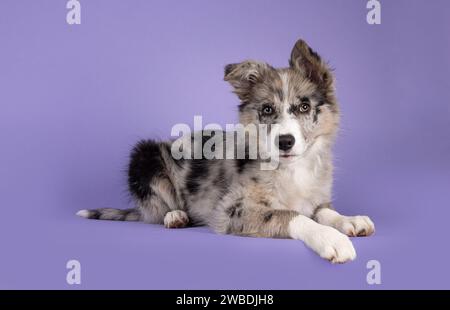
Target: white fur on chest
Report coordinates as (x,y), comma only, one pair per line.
(304,185)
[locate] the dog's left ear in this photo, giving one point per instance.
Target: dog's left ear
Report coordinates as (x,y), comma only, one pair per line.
(307,61)
(243,76)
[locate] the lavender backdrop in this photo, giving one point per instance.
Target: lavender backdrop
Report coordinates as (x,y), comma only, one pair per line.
(74,99)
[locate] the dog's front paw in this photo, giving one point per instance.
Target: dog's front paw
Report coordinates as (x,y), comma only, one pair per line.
(331,244)
(355,226)
(326,241)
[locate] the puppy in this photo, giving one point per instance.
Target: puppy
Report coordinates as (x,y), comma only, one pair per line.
(235,196)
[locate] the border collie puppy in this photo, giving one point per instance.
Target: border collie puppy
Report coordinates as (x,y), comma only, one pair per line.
(236,196)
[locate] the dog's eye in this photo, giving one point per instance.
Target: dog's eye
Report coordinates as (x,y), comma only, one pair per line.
(268,110)
(304,107)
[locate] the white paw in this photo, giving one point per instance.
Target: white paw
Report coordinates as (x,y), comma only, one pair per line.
(326,241)
(176,219)
(331,245)
(355,226)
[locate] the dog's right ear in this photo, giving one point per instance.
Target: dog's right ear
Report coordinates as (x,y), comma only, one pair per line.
(243,76)
(307,61)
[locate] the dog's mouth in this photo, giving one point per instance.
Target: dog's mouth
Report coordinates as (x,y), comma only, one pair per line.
(288,156)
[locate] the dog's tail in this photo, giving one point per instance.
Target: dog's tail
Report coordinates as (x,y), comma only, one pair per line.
(111,214)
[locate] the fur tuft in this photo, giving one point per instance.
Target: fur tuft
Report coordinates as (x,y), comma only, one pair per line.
(83,213)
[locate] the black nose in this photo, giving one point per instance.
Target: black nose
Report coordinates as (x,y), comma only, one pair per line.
(286,142)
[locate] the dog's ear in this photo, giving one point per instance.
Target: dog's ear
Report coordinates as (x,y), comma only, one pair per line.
(243,76)
(307,61)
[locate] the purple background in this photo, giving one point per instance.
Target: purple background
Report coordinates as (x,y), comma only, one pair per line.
(74,99)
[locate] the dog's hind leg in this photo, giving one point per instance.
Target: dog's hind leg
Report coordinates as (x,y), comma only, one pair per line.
(151,176)
(162,206)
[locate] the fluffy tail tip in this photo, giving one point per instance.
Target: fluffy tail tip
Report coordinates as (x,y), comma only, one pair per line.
(83,213)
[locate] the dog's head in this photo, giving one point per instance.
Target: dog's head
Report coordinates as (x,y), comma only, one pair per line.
(299,99)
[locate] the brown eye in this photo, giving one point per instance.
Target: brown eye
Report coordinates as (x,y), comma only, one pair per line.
(304,107)
(268,110)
